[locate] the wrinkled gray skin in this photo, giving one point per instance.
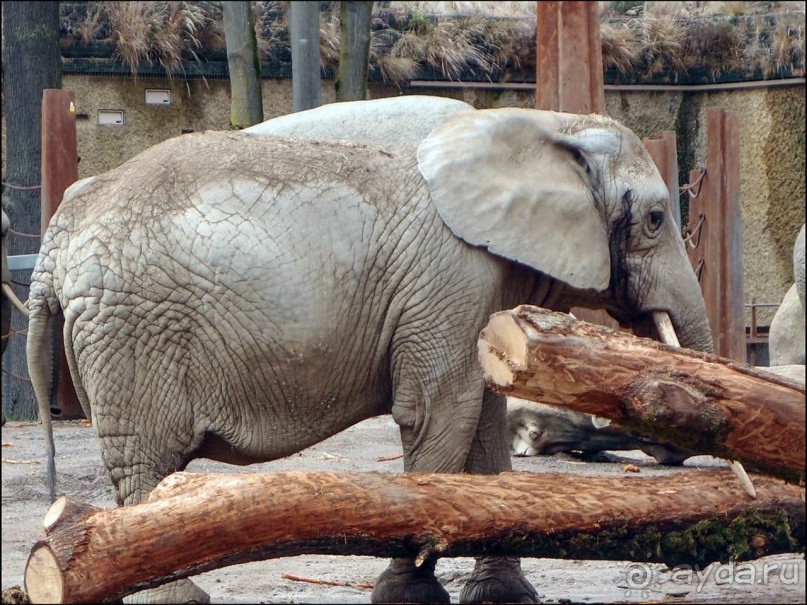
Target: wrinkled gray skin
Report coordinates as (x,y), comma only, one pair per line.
(538,429)
(786,339)
(243,297)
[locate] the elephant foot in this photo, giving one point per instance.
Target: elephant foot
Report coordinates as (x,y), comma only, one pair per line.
(667,455)
(498,580)
(402,582)
(181,591)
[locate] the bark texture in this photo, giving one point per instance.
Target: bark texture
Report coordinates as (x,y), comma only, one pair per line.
(32,60)
(246,101)
(698,401)
(193,523)
(354,50)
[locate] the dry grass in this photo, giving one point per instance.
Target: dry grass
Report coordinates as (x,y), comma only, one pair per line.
(487,38)
(148,32)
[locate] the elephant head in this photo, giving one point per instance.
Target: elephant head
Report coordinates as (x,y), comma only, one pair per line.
(577,198)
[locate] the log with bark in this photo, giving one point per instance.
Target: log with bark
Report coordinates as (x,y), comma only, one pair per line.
(194,523)
(698,401)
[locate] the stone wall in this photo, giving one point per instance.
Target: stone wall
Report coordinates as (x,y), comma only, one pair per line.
(772,138)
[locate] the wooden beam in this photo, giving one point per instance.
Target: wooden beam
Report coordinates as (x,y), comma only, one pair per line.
(194,523)
(698,401)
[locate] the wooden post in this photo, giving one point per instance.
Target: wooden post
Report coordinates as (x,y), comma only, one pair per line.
(718,259)
(59,171)
(662,149)
(569,75)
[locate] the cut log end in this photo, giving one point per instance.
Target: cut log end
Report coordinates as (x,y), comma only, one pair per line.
(502,349)
(43,578)
(54,513)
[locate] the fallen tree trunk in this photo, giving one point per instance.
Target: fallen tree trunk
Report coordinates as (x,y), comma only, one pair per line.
(701,402)
(195,523)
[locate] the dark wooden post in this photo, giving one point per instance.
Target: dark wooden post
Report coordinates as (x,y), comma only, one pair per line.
(662,149)
(59,171)
(569,75)
(715,217)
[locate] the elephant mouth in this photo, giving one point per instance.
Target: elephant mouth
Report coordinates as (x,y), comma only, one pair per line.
(641,324)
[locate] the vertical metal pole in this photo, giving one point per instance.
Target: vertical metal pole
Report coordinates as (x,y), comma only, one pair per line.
(305,64)
(59,171)
(662,149)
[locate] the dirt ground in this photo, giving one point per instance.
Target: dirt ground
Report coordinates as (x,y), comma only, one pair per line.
(778,579)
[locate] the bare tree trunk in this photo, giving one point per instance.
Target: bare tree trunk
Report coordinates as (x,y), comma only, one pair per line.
(698,401)
(32,60)
(246,102)
(354,50)
(193,523)
(305,61)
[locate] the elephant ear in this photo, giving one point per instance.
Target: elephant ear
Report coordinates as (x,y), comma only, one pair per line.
(517,182)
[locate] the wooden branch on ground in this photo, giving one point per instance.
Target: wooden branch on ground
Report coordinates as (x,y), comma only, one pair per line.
(701,402)
(194,523)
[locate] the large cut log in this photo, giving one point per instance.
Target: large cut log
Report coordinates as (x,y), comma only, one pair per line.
(194,523)
(701,402)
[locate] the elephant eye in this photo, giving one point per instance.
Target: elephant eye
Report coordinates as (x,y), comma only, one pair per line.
(655,218)
(581,161)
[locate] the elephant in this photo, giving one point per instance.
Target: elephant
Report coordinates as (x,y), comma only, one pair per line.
(786,338)
(394,120)
(242,297)
(535,429)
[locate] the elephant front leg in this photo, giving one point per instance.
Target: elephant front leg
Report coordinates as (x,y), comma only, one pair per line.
(437,420)
(494,579)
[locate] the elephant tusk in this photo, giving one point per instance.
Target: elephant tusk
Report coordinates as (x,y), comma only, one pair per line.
(745,480)
(665,328)
(669,337)
(9,293)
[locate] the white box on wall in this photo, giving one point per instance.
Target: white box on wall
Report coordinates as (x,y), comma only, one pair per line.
(158,96)
(110,117)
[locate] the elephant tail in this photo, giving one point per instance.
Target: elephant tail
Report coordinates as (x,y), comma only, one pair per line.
(42,305)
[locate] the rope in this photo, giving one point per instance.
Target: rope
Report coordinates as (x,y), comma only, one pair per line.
(691,186)
(13,375)
(20,187)
(14,333)
(699,268)
(20,234)
(696,231)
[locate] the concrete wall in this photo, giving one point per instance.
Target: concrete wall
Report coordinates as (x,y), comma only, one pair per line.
(772,138)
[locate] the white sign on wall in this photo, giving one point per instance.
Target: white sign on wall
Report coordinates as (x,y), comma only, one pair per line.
(110,117)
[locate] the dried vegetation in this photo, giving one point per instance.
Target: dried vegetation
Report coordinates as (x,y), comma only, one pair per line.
(488,40)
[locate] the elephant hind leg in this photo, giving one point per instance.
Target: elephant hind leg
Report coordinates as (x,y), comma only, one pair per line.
(494,579)
(137,463)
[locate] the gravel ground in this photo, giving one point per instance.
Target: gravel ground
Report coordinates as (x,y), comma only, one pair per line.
(776,579)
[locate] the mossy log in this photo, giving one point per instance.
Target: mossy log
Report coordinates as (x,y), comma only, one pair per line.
(700,402)
(194,523)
